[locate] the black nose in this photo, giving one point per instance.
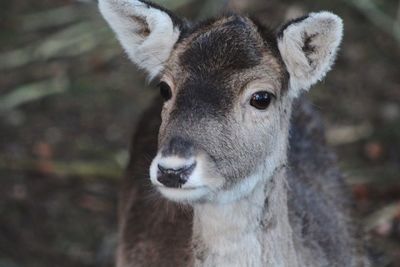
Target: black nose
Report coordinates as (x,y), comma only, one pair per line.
(174,178)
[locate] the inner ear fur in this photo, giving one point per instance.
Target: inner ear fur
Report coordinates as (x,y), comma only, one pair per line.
(308,46)
(146,31)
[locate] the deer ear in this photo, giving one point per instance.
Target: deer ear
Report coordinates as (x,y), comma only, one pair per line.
(308,46)
(146,31)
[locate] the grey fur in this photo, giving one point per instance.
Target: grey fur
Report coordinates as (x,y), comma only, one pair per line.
(155,232)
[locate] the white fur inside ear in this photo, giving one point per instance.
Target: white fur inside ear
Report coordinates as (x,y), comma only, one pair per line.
(146,33)
(309,47)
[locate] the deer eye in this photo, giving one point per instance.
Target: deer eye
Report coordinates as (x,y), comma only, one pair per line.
(261,99)
(165,91)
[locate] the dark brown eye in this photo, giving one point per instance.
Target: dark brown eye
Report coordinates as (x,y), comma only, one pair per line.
(165,91)
(261,99)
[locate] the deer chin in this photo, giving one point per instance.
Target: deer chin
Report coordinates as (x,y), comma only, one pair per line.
(184,195)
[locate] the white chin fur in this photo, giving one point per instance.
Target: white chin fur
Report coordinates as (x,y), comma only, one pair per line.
(201,185)
(183,195)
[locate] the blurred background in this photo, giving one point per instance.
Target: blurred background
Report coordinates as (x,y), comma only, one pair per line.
(69,101)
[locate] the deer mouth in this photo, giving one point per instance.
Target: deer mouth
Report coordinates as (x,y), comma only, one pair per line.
(184,195)
(180,179)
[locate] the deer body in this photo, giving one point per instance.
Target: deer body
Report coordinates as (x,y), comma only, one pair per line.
(259,186)
(159,233)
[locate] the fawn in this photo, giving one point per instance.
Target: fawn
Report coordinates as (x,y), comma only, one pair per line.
(240,161)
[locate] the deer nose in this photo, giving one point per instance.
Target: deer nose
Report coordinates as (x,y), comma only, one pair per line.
(174,177)
(178,146)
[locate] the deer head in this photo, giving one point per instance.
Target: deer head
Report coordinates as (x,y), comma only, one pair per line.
(228,85)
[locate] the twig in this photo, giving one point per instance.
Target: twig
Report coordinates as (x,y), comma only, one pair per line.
(340,135)
(396,26)
(30,92)
(377,17)
(53,17)
(72,41)
(211,8)
(381,216)
(76,168)
(173,4)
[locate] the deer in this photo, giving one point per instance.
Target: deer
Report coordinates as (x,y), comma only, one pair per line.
(241,174)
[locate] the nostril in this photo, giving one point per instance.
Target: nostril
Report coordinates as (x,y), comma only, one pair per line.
(171,180)
(174,177)
(164,169)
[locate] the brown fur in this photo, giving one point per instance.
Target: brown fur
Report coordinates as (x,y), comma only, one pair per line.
(148,223)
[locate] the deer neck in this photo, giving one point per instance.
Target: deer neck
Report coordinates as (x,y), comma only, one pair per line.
(251,231)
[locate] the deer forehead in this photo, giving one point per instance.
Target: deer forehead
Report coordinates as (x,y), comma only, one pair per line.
(222,56)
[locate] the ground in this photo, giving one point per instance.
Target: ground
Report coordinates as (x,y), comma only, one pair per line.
(70,99)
